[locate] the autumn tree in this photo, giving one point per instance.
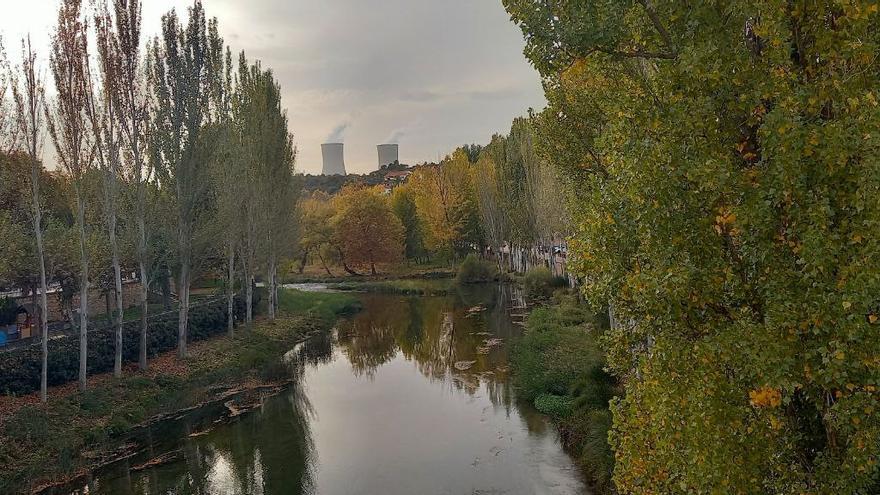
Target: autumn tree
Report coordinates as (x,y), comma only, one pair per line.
(446,202)
(120,118)
(28,98)
(180,80)
(404,205)
(67,120)
(317,232)
(366,227)
(723,160)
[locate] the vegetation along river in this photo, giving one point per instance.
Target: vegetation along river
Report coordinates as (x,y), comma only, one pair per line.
(410,396)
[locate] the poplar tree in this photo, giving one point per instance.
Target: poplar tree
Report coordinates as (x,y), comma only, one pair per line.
(123,127)
(67,120)
(180,81)
(28,97)
(724,161)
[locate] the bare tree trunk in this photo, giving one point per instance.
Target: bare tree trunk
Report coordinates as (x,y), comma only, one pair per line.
(145,307)
(270,287)
(120,304)
(183,313)
(230,290)
(324,264)
(83,295)
(249,296)
(44,300)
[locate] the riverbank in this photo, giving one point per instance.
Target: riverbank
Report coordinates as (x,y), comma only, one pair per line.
(558,367)
(63,439)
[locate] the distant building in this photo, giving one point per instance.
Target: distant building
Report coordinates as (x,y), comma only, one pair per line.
(395,178)
(334,158)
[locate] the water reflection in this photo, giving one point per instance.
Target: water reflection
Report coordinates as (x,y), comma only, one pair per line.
(412,395)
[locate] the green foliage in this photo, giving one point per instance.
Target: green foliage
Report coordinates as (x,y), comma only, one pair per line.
(20,367)
(556,406)
(404,205)
(723,159)
(559,368)
(325,305)
(539,284)
(474,270)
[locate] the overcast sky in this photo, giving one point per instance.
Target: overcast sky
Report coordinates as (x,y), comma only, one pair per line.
(428,74)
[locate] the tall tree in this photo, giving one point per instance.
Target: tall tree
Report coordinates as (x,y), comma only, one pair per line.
(28,96)
(181,78)
(724,159)
(125,92)
(8,127)
(68,126)
(404,205)
(367,229)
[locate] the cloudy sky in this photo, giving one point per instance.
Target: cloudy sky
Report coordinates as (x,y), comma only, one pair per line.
(428,74)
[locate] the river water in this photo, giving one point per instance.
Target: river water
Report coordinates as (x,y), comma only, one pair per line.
(410,396)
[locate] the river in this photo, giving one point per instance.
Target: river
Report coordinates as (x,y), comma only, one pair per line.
(410,396)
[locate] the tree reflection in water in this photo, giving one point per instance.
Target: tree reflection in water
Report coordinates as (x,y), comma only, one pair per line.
(434,335)
(273,449)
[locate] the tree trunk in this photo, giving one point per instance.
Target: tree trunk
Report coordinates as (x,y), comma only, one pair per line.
(271,292)
(249,294)
(117,287)
(324,264)
(83,294)
(349,270)
(145,281)
(183,313)
(44,300)
(372,268)
(145,308)
(302,262)
(230,290)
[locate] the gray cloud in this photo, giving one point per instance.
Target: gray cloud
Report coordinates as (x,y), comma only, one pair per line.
(433,74)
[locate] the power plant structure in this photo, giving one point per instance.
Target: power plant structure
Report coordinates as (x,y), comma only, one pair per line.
(334,159)
(388,154)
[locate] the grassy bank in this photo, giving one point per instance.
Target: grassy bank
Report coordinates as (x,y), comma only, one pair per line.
(558,367)
(400,271)
(40,442)
(406,287)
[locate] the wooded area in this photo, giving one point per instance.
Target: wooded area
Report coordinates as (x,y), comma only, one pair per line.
(162,154)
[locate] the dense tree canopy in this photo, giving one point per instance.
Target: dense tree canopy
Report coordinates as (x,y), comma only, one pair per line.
(724,163)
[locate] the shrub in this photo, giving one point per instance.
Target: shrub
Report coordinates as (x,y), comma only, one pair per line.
(474,271)
(557,406)
(540,284)
(559,367)
(20,367)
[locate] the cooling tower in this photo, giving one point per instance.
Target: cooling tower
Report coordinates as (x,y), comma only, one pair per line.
(387,154)
(334,160)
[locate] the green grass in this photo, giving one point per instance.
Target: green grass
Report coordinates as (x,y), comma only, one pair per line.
(558,367)
(407,287)
(326,305)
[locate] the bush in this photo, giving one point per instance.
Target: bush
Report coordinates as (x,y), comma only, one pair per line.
(20,367)
(540,284)
(559,367)
(557,406)
(475,271)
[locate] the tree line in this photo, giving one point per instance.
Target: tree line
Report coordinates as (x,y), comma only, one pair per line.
(175,161)
(723,162)
(498,200)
